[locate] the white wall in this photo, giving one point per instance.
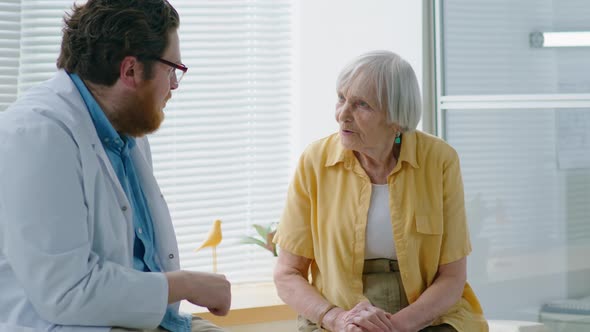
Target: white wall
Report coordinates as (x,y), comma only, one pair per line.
(329,33)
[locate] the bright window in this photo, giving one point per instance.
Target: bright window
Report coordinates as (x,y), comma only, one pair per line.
(519,117)
(224,150)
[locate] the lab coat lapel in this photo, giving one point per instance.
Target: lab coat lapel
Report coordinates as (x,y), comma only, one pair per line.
(107,167)
(166,244)
(64,86)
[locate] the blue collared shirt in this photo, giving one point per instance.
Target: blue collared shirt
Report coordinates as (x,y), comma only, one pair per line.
(118,148)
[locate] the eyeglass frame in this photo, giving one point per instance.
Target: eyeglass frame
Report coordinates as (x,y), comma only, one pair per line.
(180,67)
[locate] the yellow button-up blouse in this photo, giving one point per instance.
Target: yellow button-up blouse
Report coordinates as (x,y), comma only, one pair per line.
(325,218)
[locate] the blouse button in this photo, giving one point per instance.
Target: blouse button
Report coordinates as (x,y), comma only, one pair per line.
(171,256)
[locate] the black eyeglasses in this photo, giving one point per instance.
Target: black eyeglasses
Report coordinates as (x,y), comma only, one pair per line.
(179,69)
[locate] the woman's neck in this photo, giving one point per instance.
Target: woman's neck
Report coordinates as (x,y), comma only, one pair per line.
(379,166)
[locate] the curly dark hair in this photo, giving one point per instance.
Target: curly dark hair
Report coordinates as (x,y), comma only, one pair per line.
(99,34)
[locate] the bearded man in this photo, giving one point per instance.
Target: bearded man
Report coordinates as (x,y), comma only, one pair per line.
(86,238)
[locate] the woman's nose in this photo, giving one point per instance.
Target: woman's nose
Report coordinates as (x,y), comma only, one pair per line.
(344,113)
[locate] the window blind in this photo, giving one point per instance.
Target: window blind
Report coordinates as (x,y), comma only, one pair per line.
(30,38)
(223,151)
(9,50)
(40,39)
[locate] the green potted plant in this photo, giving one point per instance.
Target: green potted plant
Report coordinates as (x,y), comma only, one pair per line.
(264,237)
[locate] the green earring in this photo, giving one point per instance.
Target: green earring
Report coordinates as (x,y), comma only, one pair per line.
(398,138)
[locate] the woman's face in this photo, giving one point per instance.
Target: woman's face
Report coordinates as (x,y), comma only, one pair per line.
(364,127)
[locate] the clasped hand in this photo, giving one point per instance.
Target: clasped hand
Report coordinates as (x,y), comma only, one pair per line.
(364,317)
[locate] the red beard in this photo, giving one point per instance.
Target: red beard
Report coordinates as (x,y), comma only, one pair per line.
(142,114)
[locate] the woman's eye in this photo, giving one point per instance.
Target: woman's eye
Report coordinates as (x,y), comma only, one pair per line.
(363,104)
(341,99)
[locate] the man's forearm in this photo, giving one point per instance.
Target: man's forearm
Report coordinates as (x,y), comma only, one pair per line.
(176,286)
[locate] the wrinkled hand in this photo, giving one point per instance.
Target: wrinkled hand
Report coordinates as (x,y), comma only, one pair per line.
(209,290)
(364,317)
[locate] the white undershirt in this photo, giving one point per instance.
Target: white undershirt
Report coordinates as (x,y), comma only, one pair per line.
(379,234)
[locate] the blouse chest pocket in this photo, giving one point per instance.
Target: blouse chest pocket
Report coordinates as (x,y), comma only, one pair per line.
(429,224)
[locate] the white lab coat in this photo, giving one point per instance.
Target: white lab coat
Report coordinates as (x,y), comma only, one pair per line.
(66,229)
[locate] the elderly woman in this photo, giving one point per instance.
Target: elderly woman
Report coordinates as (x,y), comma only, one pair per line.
(376,211)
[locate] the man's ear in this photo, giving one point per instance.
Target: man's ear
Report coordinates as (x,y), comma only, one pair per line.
(130,71)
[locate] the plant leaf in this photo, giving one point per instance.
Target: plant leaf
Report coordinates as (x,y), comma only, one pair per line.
(251,240)
(261,231)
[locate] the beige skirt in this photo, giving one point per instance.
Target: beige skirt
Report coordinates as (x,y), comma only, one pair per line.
(382,285)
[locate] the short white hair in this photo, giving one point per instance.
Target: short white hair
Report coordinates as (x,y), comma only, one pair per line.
(394,82)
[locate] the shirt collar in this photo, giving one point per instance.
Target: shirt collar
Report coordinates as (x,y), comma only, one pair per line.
(407,154)
(107,134)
